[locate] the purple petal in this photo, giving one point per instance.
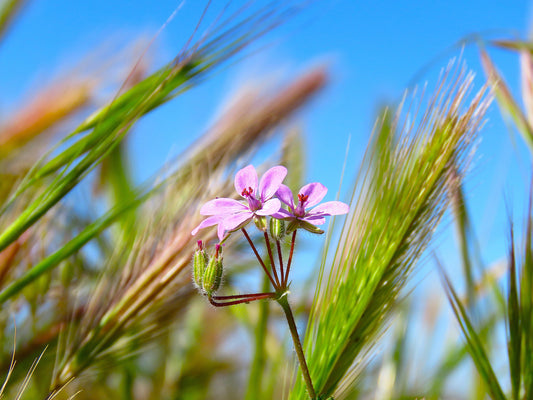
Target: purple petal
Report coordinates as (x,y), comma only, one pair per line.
(284,193)
(221,232)
(222,206)
(233,221)
(315,192)
(315,219)
(209,221)
(330,208)
(282,214)
(246,178)
(271,181)
(269,207)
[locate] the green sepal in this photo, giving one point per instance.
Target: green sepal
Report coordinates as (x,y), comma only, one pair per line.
(296,224)
(311,228)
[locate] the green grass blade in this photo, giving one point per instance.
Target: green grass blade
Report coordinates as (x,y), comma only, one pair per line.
(115,177)
(475,346)
(69,248)
(8,11)
(464,239)
(506,102)
(514,344)
(526,307)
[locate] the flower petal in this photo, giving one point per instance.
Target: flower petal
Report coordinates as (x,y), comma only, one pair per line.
(284,193)
(246,178)
(315,219)
(271,181)
(269,207)
(209,221)
(221,232)
(234,221)
(282,214)
(330,208)
(222,206)
(315,192)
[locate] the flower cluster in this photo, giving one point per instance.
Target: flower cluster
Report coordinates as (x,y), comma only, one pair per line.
(265,200)
(267,197)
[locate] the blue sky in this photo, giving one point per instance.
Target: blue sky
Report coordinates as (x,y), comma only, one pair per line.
(373,49)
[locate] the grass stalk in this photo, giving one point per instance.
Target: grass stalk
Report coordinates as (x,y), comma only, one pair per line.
(284,303)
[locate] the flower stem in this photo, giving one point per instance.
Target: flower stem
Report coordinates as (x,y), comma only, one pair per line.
(272,263)
(284,303)
(278,245)
(259,258)
(240,301)
(284,282)
(241,296)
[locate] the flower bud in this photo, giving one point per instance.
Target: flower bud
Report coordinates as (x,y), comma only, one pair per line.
(213,273)
(297,224)
(199,263)
(277,228)
(261,223)
(311,228)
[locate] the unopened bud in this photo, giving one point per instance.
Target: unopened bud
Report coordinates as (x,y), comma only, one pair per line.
(212,276)
(277,228)
(311,228)
(297,224)
(261,222)
(200,260)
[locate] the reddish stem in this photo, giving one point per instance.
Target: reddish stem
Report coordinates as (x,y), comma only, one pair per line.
(272,264)
(259,257)
(240,296)
(290,259)
(278,244)
(246,300)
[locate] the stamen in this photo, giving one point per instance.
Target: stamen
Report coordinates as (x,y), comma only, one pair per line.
(247,192)
(302,198)
(200,245)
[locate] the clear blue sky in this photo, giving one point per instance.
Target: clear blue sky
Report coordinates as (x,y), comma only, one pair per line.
(374,49)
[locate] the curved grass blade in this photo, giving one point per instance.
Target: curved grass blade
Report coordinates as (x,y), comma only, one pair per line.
(506,102)
(8,11)
(475,346)
(111,124)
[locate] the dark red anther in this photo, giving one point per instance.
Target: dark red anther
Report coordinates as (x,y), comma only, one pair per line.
(200,245)
(217,248)
(302,198)
(247,192)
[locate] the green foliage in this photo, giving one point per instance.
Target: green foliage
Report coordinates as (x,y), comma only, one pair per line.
(402,194)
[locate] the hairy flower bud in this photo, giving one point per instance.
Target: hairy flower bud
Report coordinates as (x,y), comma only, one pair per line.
(277,228)
(200,260)
(212,276)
